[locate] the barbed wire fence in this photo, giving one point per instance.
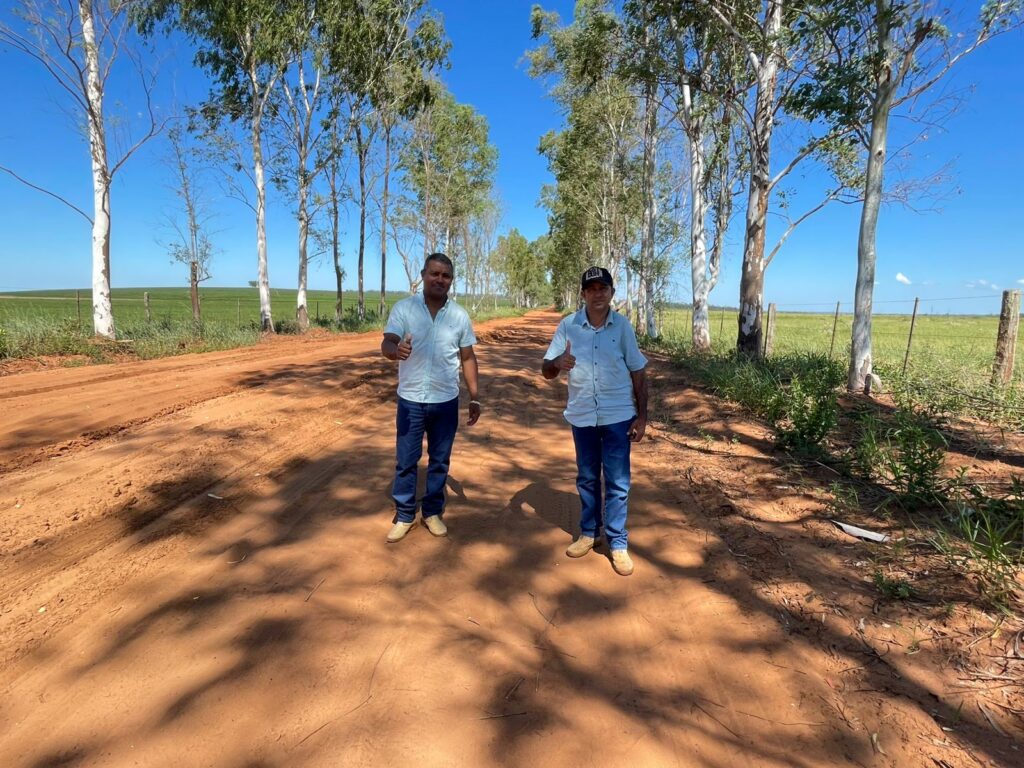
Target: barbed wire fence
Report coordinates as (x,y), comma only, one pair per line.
(920,339)
(243,311)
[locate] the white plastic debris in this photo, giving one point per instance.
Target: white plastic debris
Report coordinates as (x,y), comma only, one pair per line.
(862,533)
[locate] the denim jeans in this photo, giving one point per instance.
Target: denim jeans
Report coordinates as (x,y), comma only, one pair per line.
(603,448)
(438,421)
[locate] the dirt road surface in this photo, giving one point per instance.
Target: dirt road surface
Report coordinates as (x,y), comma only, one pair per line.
(193,573)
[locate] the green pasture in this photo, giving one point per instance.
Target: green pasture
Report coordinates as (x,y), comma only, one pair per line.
(59,322)
(236,305)
(956,349)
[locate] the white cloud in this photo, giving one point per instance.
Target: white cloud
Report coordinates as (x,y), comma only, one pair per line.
(1021,281)
(901,278)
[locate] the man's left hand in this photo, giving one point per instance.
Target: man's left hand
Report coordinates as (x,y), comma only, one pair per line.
(637,429)
(474,413)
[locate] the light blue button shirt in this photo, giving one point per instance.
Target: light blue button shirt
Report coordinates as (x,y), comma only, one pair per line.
(600,387)
(431,374)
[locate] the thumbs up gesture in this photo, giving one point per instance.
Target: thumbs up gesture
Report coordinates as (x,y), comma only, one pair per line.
(566,361)
(405,347)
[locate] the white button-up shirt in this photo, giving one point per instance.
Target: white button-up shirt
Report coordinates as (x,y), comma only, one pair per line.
(600,387)
(431,373)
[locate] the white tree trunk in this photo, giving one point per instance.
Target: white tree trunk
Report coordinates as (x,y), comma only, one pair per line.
(860,349)
(752,278)
(701,324)
(645,304)
(102,309)
(263,278)
(301,301)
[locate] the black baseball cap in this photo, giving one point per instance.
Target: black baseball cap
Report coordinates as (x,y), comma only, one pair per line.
(600,274)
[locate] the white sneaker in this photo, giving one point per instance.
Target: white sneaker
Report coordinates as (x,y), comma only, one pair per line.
(622,562)
(398,531)
(581,546)
(436,525)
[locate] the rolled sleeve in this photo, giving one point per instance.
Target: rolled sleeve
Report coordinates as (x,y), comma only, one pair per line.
(468,338)
(396,321)
(634,358)
(557,345)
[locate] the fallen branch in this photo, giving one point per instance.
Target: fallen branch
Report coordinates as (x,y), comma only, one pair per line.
(498,717)
(534,598)
(314,589)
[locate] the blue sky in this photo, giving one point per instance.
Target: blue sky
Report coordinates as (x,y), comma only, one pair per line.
(967,248)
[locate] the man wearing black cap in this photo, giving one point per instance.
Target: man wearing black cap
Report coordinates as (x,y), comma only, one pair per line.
(607,409)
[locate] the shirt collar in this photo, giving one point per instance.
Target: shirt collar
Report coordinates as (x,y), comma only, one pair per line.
(423,300)
(581,318)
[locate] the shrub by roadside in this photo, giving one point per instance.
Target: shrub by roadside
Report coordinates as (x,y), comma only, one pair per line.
(899,454)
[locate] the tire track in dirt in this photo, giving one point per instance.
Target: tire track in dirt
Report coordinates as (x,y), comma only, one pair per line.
(37,570)
(274,627)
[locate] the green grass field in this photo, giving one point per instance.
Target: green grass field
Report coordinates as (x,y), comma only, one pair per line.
(950,362)
(239,305)
(57,322)
(965,342)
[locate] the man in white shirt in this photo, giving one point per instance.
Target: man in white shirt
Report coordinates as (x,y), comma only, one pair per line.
(429,335)
(607,409)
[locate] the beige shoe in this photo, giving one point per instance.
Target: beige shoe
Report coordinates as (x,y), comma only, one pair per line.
(581,546)
(398,531)
(621,562)
(436,525)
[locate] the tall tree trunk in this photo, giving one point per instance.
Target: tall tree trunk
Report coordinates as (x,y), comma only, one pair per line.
(384,221)
(748,341)
(102,308)
(263,278)
(361,152)
(645,302)
(693,125)
(193,285)
(301,302)
(860,351)
(332,181)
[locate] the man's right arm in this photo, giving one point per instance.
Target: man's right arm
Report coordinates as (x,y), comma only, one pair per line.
(389,347)
(394,348)
(564,362)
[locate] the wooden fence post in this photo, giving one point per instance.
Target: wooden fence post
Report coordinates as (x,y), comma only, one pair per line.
(78,301)
(769,333)
(238,311)
(835,324)
(1006,341)
(318,310)
(145,300)
(910,336)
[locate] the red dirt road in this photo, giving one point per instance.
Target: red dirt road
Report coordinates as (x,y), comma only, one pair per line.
(193,572)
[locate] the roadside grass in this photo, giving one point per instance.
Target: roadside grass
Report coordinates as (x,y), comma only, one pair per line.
(950,361)
(46,323)
(892,458)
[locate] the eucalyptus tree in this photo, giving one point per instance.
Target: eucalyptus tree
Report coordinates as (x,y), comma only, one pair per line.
(766,36)
(382,54)
(304,127)
(596,207)
(410,44)
(871,59)
(705,79)
(78,44)
(448,166)
(521,265)
(246,47)
(190,243)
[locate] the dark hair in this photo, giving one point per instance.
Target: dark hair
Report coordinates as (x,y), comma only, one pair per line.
(439,257)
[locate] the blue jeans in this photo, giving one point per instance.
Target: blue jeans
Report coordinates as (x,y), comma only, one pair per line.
(438,421)
(603,448)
